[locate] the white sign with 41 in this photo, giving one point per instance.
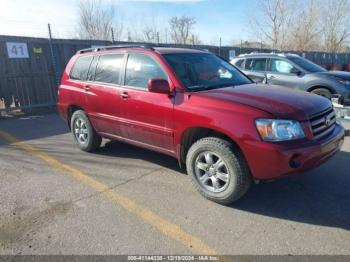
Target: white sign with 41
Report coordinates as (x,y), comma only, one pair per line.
(17,50)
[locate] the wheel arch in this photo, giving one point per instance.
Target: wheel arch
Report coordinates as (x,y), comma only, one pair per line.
(70,110)
(313,87)
(192,134)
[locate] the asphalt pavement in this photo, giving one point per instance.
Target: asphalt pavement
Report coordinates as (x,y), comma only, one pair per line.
(56,199)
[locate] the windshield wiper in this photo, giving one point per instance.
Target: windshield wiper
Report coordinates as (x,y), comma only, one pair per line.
(221,85)
(208,87)
(197,88)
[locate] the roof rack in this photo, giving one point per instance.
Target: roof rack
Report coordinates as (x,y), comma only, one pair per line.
(111,47)
(255,53)
(282,54)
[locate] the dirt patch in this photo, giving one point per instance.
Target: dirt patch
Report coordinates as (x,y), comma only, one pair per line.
(24,224)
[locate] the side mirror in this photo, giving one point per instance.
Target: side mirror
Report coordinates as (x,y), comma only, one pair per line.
(296,71)
(158,85)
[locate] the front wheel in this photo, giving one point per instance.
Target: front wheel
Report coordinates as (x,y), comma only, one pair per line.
(83,132)
(219,170)
(322,92)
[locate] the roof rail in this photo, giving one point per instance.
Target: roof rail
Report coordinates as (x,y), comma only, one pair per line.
(111,47)
(281,54)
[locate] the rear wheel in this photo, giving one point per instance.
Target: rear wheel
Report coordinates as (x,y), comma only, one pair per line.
(322,92)
(218,170)
(83,132)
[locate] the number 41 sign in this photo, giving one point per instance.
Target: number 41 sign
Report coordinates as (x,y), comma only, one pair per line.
(17,50)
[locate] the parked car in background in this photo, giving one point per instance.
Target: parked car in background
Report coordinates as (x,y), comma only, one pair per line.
(200,109)
(293,71)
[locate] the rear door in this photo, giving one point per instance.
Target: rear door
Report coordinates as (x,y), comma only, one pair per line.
(76,83)
(102,96)
(255,68)
(282,72)
(147,117)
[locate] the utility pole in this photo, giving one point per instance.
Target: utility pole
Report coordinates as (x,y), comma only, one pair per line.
(53,58)
(112,32)
(157,38)
(220,46)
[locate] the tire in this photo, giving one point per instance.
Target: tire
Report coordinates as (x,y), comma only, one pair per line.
(237,174)
(322,92)
(83,132)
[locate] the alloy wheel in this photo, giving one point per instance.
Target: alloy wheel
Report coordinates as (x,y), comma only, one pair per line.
(80,131)
(211,172)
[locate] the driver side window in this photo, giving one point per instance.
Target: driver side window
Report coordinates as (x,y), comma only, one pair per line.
(281,66)
(140,68)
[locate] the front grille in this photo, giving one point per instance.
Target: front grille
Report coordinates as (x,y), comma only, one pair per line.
(323,123)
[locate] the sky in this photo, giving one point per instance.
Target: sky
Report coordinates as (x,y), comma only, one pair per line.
(227,19)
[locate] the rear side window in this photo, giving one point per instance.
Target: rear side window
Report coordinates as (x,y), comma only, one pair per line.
(256,64)
(81,68)
(239,63)
(108,68)
(91,73)
(141,68)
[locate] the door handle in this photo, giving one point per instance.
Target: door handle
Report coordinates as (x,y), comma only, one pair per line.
(124,95)
(86,88)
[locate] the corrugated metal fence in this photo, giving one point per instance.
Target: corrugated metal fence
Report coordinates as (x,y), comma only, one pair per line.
(29,72)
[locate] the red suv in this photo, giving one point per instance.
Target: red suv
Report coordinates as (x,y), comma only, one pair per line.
(198,108)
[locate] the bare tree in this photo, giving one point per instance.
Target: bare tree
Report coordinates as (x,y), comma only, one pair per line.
(181,29)
(336,25)
(150,28)
(164,35)
(96,21)
(303,25)
(194,40)
(305,32)
(150,33)
(272,21)
(118,30)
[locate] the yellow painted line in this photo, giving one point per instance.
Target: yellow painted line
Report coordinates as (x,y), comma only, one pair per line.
(174,231)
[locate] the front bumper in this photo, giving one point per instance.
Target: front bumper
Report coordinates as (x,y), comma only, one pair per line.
(274,160)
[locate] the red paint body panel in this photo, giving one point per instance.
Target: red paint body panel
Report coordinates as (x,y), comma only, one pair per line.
(158,121)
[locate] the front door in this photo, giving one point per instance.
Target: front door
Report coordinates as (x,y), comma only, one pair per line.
(283,73)
(146,117)
(102,96)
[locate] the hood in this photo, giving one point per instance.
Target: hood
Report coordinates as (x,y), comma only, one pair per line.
(281,102)
(340,74)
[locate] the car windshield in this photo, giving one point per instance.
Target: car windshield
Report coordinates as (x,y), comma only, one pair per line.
(202,71)
(307,65)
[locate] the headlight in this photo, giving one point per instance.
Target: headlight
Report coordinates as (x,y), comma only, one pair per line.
(344,82)
(279,130)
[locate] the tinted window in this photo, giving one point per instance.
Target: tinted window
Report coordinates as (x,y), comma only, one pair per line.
(307,65)
(81,68)
(239,63)
(256,64)
(198,71)
(91,73)
(108,68)
(281,66)
(140,68)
